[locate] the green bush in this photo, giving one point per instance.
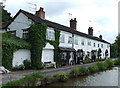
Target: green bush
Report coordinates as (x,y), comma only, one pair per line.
(101,66)
(74,72)
(117,61)
(27,64)
(93,68)
(83,71)
(19,67)
(61,76)
(108,63)
(29,80)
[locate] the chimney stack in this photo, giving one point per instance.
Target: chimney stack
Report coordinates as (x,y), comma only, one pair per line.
(90,31)
(41,13)
(73,24)
(100,36)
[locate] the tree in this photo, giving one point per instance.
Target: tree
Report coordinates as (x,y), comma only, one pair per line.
(114,50)
(118,44)
(5,16)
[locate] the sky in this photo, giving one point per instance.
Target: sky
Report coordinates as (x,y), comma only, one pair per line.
(102,15)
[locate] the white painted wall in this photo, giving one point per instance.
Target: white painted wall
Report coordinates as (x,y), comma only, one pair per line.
(19,56)
(88,48)
(48,53)
(66,44)
(21,22)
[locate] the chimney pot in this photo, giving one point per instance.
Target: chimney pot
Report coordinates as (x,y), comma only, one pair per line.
(90,31)
(41,9)
(73,23)
(41,13)
(100,36)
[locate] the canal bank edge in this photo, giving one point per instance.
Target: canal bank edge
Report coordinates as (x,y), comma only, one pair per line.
(36,79)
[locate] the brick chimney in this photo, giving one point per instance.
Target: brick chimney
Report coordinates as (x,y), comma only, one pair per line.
(90,31)
(41,13)
(100,36)
(73,24)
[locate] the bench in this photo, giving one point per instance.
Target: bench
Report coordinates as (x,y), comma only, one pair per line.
(49,64)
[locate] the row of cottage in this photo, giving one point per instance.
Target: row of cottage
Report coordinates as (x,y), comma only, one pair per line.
(76,43)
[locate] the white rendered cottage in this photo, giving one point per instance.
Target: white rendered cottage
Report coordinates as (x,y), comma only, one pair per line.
(71,40)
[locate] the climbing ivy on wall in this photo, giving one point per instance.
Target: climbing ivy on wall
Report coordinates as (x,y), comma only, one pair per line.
(9,46)
(56,44)
(37,39)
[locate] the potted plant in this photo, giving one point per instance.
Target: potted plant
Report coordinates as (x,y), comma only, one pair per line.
(44,67)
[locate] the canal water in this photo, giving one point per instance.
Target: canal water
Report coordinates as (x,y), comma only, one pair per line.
(105,78)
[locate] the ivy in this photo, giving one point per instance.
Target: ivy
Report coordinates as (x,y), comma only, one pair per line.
(37,39)
(56,44)
(9,46)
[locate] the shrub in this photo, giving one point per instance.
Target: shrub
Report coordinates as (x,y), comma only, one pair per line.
(61,76)
(108,63)
(27,64)
(29,80)
(74,72)
(87,60)
(19,67)
(101,66)
(83,71)
(117,61)
(93,68)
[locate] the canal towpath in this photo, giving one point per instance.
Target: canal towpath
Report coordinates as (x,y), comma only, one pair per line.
(52,71)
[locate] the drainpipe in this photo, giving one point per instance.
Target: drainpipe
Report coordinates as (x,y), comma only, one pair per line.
(73,41)
(73,46)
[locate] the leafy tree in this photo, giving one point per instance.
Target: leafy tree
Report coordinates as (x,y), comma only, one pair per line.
(118,43)
(5,16)
(115,48)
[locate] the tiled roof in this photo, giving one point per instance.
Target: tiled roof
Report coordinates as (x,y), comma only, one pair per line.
(56,25)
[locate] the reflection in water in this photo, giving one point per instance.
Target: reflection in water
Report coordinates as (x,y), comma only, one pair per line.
(106,78)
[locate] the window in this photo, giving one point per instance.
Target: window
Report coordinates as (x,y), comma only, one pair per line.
(98,45)
(13,32)
(62,38)
(101,45)
(82,42)
(70,40)
(94,44)
(76,40)
(89,43)
(50,35)
(25,34)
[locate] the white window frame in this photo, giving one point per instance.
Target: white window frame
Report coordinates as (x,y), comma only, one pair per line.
(89,42)
(76,41)
(50,35)
(83,42)
(25,34)
(62,38)
(70,40)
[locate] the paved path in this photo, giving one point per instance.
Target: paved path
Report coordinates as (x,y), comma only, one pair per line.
(20,74)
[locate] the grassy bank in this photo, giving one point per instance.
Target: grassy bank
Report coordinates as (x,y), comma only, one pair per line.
(36,79)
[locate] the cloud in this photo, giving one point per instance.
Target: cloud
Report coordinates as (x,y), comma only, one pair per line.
(103,13)
(103,21)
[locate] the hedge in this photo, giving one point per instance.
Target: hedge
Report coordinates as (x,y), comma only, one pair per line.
(9,46)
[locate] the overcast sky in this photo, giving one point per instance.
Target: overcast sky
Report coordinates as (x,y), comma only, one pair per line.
(102,13)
